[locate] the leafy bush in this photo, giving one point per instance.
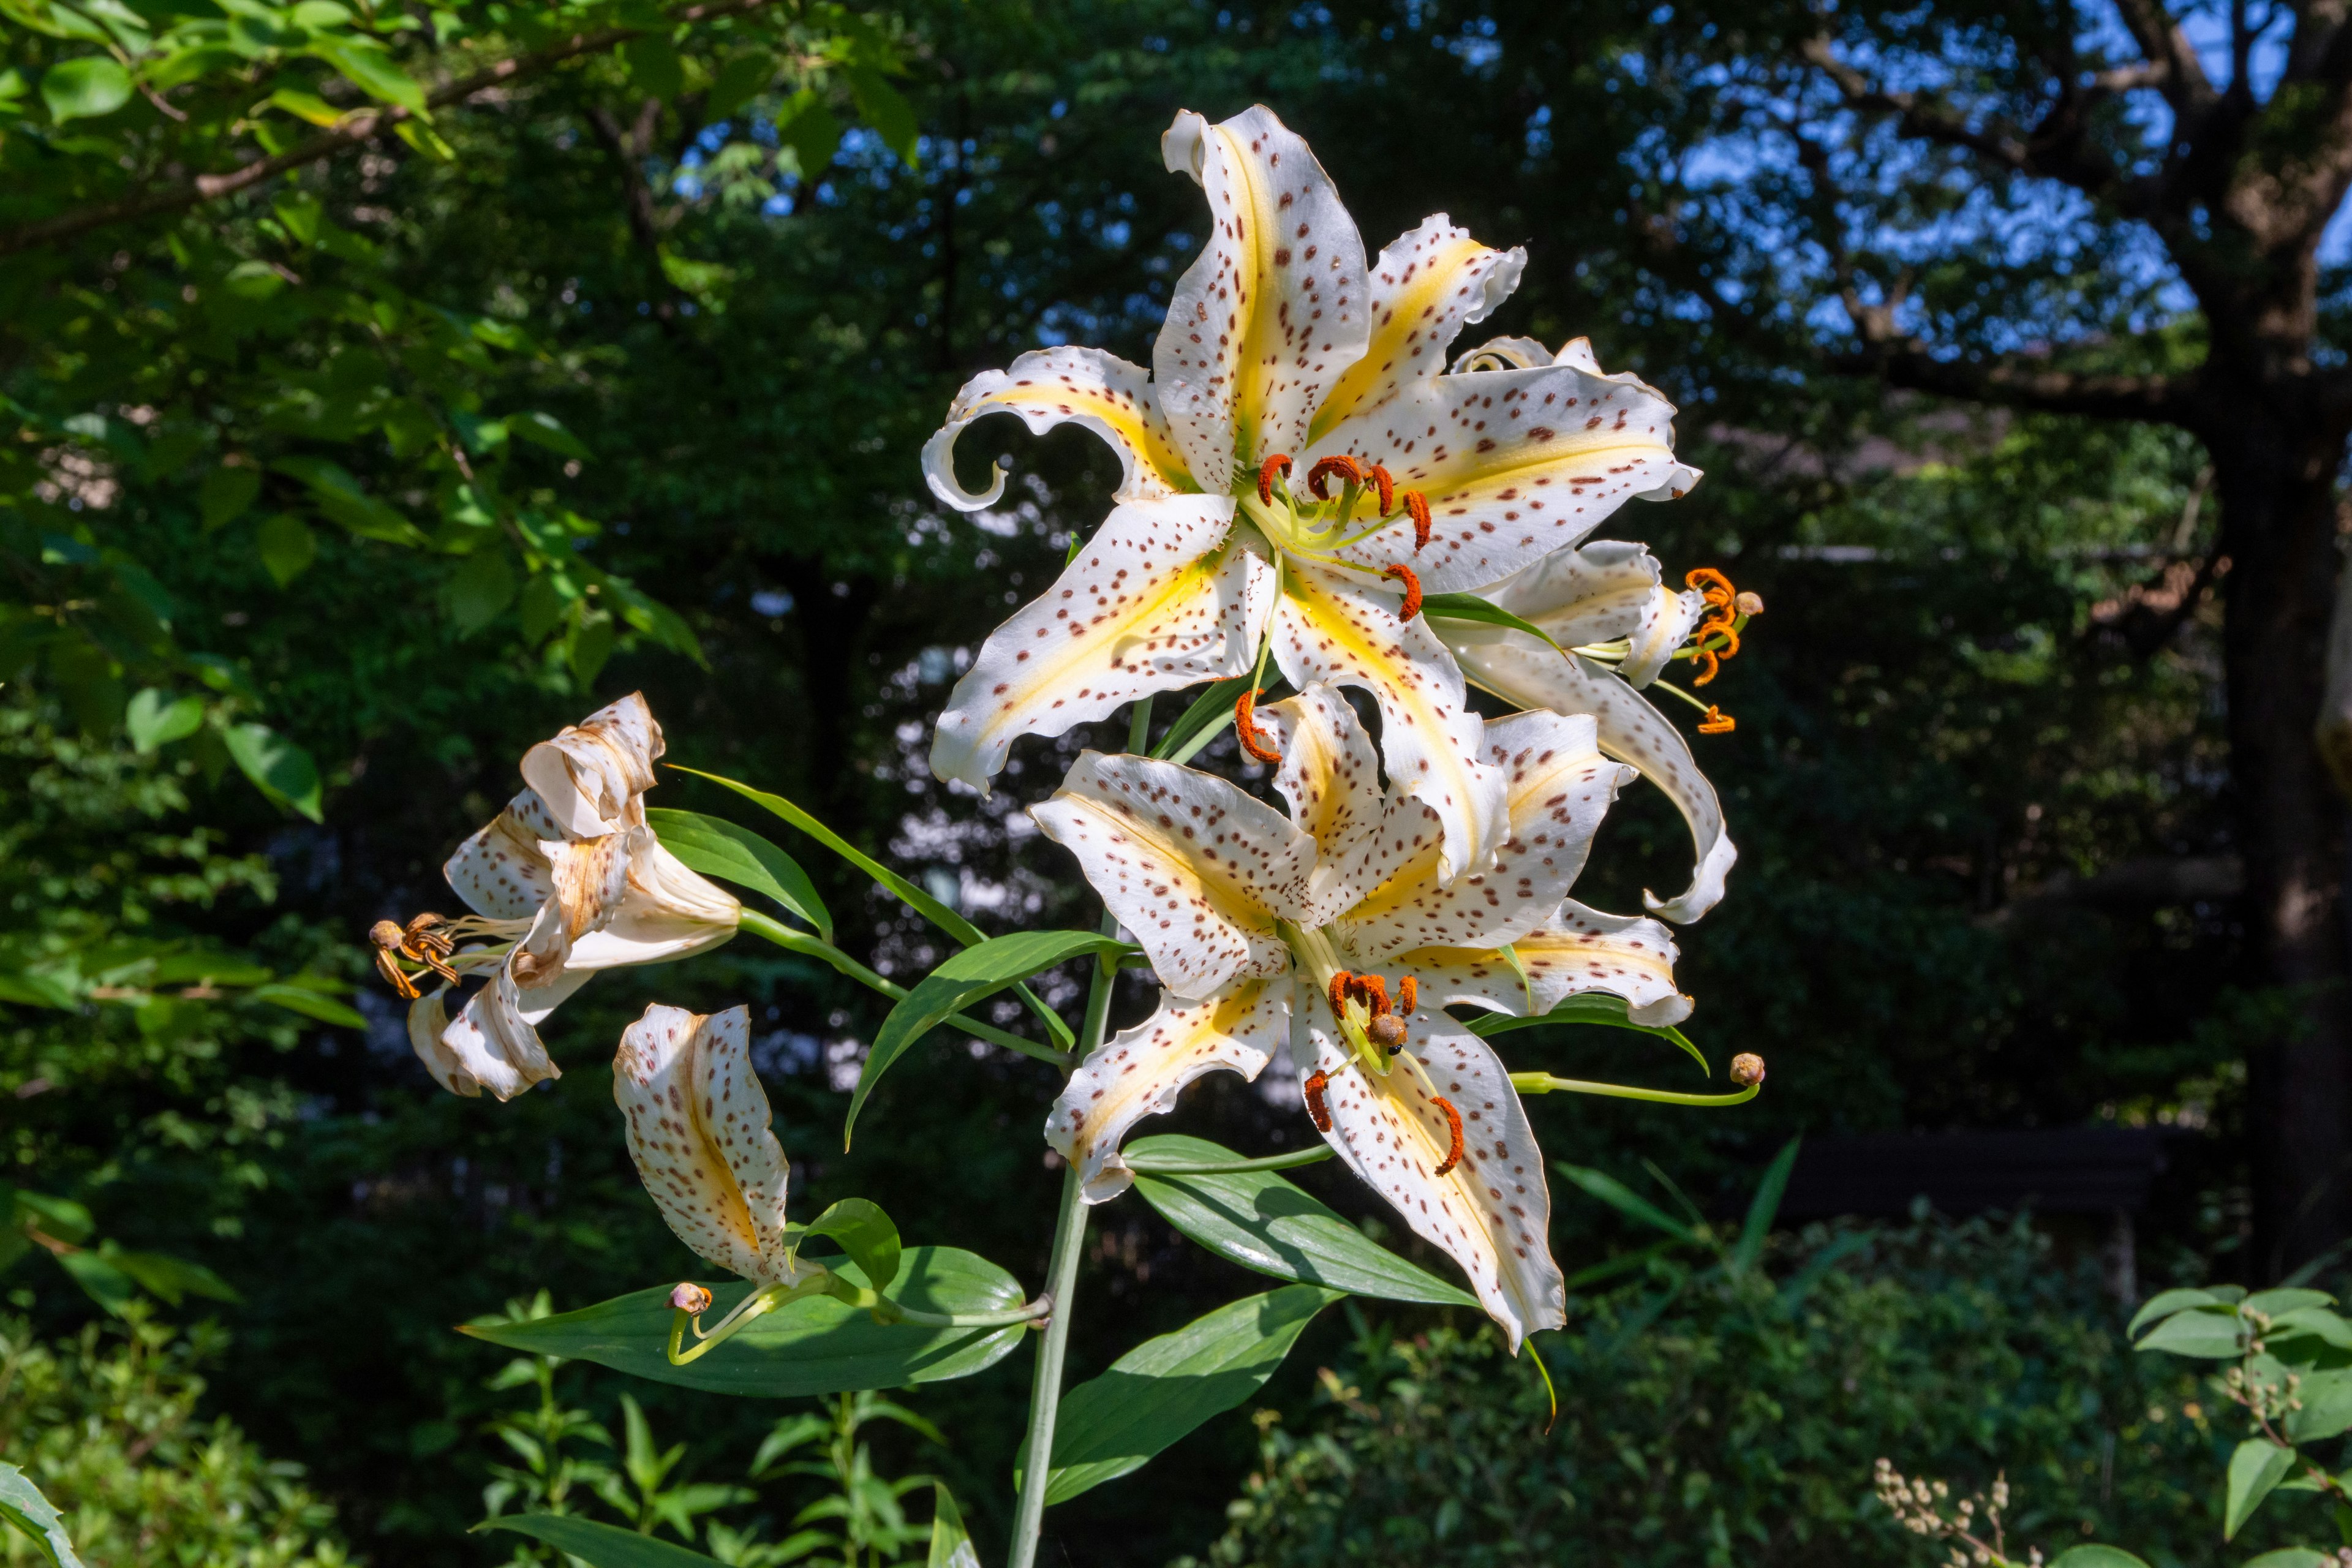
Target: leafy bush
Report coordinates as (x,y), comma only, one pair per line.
(105,1424)
(1721,1415)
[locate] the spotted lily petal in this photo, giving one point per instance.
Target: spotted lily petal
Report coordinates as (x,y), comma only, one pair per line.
(1331,778)
(1272,310)
(1560,789)
(591,877)
(1505,353)
(494,1042)
(1598,593)
(1516,464)
(1584,949)
(666,911)
(1519,670)
(591,775)
(502,871)
(1155,601)
(697,1123)
(1429,284)
(1197,870)
(1333,627)
(1140,1072)
(1491,1213)
(1047,387)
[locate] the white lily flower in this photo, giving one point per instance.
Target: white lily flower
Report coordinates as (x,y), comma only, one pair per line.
(1268,931)
(1607,603)
(566,881)
(699,1128)
(1283,347)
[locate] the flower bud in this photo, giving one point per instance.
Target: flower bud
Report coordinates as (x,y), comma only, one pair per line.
(690,1297)
(1748,1069)
(1749,603)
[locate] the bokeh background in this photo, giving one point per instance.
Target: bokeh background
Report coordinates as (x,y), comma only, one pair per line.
(2023,776)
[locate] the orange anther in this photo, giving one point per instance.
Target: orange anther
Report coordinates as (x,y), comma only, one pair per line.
(1245,726)
(1320,473)
(1417,504)
(1373,990)
(1266,472)
(1407,1002)
(1453,1126)
(1411,606)
(1716,722)
(1339,995)
(1712,583)
(1317,1082)
(1385,482)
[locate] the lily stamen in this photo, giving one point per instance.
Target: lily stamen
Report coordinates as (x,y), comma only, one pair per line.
(1717,638)
(1453,1126)
(1411,606)
(1716,722)
(1385,482)
(1319,476)
(1278,463)
(1245,730)
(1317,1082)
(421,941)
(1417,504)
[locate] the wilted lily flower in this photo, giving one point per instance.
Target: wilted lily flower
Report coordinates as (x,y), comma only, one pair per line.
(699,1128)
(1607,605)
(1330,931)
(1300,468)
(566,881)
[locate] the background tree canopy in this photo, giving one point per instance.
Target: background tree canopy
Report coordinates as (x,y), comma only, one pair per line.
(387,386)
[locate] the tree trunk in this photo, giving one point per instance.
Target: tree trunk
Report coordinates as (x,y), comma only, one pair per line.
(2274,476)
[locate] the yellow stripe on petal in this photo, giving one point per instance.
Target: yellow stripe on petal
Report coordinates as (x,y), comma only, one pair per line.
(1156,601)
(1426,287)
(1622,955)
(699,1128)
(1331,628)
(1140,1071)
(1087,387)
(1272,310)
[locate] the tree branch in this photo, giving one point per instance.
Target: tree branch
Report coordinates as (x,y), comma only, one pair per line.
(2029,385)
(358,128)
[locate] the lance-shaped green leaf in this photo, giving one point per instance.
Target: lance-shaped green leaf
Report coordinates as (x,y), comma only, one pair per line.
(2097,1556)
(2211,1335)
(2166,1303)
(1262,1220)
(921,902)
(276,766)
(1762,1207)
(2284,1557)
(719,848)
(22,1505)
(1624,1199)
(866,1233)
(816,1345)
(2317,1322)
(2275,1303)
(951,1544)
(1164,1387)
(599,1545)
(1471,607)
(965,978)
(346,501)
(2327,1408)
(1587,1007)
(2255,1471)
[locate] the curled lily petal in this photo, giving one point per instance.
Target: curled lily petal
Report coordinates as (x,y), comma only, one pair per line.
(1047,387)
(501,871)
(1490,1211)
(1197,870)
(1582,950)
(1429,284)
(1331,627)
(1505,353)
(1598,593)
(1331,778)
(1140,1072)
(591,775)
(494,1040)
(591,877)
(1154,602)
(1535,675)
(697,1124)
(1272,310)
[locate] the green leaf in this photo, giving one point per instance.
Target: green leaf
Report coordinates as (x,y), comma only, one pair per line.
(2327,1407)
(2317,1321)
(1624,1199)
(482,585)
(1760,1210)
(951,1544)
(369,67)
(2284,1557)
(156,719)
(2097,1556)
(286,547)
(224,495)
(966,977)
(22,1505)
(2275,1303)
(1471,607)
(865,1232)
(277,767)
(598,1545)
(1213,704)
(2166,1303)
(310,1003)
(2211,1335)
(173,1279)
(100,1280)
(345,500)
(653,66)
(85,88)
(588,645)
(881,106)
(1261,1220)
(717,847)
(739,82)
(811,134)
(1164,1387)
(2257,1467)
(816,1345)
(546,430)
(1611,1012)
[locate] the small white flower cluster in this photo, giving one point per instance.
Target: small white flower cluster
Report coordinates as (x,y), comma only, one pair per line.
(1919,1506)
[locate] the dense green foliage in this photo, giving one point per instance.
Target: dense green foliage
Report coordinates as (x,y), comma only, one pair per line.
(406,459)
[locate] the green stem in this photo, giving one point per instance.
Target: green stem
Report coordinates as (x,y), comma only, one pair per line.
(1147,1166)
(1543,1083)
(785,937)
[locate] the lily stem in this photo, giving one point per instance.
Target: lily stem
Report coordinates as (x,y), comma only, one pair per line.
(809,946)
(1545,1083)
(1145,1165)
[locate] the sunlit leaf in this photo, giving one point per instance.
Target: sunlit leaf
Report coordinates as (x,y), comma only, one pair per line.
(85,88)
(717,847)
(277,767)
(22,1505)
